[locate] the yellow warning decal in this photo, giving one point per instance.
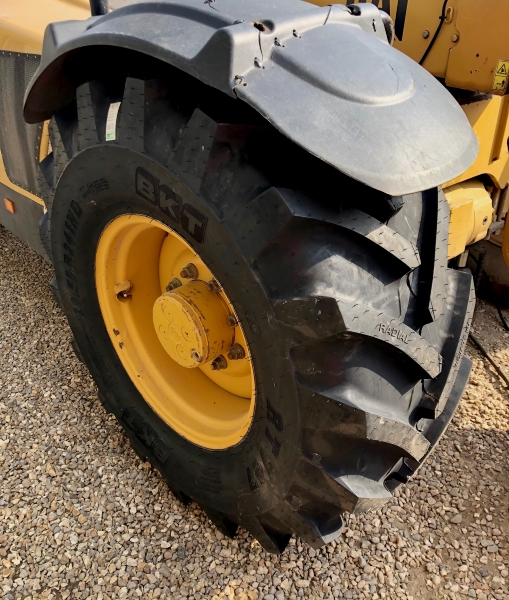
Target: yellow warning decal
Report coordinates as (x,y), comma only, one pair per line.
(501,77)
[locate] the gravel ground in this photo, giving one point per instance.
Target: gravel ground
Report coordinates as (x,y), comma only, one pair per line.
(82,517)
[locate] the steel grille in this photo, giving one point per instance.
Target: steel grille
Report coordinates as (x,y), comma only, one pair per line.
(19,142)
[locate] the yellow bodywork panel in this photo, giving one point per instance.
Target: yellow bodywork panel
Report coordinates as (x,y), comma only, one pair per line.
(489,119)
(472,48)
(480,59)
(413,20)
(471,214)
(22,26)
(22,22)
(470,52)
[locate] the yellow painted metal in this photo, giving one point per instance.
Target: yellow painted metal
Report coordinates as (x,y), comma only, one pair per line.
(212,409)
(45,145)
(489,119)
(483,44)
(471,214)
(476,61)
(191,323)
(22,26)
(22,22)
(415,18)
(472,47)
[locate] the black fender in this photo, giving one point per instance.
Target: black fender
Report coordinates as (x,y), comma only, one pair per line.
(325,77)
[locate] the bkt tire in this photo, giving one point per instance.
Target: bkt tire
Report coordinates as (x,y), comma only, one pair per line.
(353,326)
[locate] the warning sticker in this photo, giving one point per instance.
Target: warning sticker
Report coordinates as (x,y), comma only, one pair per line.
(501,77)
(111,122)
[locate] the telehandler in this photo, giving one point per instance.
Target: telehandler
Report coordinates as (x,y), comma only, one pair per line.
(257,213)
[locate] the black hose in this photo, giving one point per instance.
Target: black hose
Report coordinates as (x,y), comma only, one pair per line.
(434,38)
(502,318)
(98,7)
(483,351)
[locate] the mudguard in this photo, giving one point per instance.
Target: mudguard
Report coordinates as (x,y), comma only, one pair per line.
(325,77)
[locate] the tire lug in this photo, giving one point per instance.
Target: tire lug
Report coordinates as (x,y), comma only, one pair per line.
(219,363)
(213,286)
(236,352)
(174,283)
(232,321)
(189,272)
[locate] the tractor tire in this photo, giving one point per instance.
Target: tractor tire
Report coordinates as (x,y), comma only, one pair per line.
(355,325)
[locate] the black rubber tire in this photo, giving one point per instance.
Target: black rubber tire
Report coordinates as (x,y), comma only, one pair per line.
(355,323)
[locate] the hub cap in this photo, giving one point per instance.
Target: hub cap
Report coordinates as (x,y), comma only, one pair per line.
(192,324)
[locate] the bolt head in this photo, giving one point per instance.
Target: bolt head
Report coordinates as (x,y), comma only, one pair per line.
(189,272)
(213,286)
(425,34)
(236,352)
(455,37)
(174,283)
(218,363)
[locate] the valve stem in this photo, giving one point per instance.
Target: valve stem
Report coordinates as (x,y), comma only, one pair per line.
(123,291)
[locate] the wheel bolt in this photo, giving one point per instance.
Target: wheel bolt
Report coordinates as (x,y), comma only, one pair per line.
(174,283)
(195,356)
(232,321)
(236,352)
(213,286)
(189,272)
(218,363)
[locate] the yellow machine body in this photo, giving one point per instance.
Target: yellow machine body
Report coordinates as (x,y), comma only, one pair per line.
(22,26)
(471,52)
(22,23)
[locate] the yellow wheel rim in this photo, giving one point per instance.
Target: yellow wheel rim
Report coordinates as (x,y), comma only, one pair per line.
(175,331)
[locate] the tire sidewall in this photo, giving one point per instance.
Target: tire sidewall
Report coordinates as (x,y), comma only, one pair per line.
(104,182)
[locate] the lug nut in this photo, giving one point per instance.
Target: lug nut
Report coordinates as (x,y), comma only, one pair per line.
(213,286)
(195,356)
(189,272)
(232,321)
(174,283)
(218,363)
(236,352)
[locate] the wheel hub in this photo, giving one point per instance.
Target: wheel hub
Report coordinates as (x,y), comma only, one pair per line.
(191,323)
